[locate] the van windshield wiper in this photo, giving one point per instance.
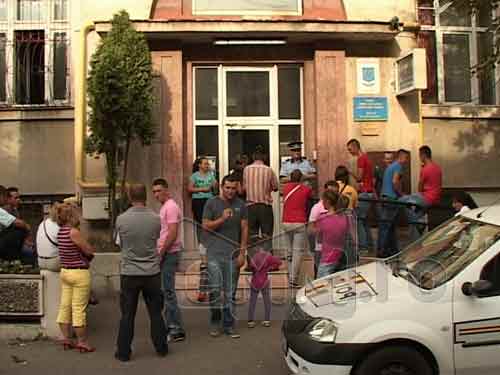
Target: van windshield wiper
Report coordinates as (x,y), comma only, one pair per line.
(399,267)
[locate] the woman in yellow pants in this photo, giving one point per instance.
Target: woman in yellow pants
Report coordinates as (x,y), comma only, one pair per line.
(75,254)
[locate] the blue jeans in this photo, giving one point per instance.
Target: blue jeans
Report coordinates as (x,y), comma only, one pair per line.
(387,235)
(326,269)
(415,214)
(173,318)
(364,234)
(222,283)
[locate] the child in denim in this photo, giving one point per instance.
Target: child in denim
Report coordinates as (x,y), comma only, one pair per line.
(260,264)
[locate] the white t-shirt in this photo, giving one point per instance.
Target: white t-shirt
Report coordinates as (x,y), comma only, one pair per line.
(316,211)
(6,219)
(44,247)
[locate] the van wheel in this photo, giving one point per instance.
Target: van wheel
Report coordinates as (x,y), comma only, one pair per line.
(395,360)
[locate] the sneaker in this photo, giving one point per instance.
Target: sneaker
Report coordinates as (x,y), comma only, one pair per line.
(176,337)
(202,297)
(232,333)
(251,324)
(266,323)
(214,332)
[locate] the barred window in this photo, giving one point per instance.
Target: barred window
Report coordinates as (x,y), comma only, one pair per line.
(31,10)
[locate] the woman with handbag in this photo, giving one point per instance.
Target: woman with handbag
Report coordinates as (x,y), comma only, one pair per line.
(296,195)
(75,255)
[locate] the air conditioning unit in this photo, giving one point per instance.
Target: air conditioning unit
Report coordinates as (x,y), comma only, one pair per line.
(95,207)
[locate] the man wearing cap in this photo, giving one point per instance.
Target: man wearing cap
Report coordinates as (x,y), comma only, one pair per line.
(297,161)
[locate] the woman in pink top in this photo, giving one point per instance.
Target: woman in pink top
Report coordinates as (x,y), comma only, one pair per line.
(260,264)
(295,198)
(332,229)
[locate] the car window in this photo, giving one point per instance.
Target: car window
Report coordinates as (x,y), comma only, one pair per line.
(443,253)
(491,273)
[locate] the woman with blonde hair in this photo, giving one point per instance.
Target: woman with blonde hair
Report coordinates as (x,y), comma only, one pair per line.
(75,254)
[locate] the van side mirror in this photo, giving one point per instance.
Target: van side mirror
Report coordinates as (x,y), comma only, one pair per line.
(477,288)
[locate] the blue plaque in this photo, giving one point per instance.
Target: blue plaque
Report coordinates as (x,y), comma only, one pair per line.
(371,108)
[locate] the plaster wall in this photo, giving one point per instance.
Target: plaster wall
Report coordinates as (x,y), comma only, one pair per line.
(38,156)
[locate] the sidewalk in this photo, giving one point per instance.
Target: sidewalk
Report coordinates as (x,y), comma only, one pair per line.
(257,352)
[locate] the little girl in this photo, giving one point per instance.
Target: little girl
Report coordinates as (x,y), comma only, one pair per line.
(462,202)
(260,264)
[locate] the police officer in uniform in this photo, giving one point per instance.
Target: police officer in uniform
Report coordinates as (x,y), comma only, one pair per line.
(297,161)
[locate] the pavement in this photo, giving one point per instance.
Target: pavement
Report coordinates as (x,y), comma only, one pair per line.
(258,350)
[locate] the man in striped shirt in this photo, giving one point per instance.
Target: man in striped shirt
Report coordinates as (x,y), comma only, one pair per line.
(259,181)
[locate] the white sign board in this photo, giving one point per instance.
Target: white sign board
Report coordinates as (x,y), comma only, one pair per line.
(368,76)
(411,72)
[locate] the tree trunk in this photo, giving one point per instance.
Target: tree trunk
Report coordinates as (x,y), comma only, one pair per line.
(123,193)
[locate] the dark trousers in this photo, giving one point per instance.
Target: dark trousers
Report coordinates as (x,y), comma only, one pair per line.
(197,206)
(387,235)
(261,218)
(131,287)
(11,243)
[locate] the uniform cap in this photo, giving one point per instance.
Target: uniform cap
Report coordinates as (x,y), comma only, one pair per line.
(297,145)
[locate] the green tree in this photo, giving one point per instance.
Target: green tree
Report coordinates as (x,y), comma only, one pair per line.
(120,97)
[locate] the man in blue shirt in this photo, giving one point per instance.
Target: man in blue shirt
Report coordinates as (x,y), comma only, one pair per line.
(391,191)
(297,161)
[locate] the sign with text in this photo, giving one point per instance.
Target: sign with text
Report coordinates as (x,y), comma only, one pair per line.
(411,72)
(371,108)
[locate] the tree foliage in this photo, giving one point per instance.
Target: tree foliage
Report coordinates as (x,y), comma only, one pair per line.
(120,97)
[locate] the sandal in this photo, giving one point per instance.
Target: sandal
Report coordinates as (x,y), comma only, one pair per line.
(84,348)
(67,344)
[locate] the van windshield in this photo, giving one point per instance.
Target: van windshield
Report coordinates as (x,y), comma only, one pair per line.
(444,252)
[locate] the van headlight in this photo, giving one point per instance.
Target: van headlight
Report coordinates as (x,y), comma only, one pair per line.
(323,330)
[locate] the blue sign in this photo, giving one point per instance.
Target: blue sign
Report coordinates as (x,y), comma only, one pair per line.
(370,108)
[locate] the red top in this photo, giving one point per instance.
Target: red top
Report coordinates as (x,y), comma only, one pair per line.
(70,255)
(295,207)
(431,178)
(366,185)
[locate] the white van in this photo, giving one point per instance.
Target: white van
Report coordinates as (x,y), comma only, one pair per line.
(434,309)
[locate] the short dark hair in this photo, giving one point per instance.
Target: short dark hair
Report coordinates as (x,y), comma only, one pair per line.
(331,183)
(342,174)
(426,150)
(12,189)
(402,151)
(464,198)
(296,175)
(355,142)
(259,153)
(3,191)
(228,178)
(161,182)
(137,193)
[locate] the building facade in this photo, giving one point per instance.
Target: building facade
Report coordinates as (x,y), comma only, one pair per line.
(230,75)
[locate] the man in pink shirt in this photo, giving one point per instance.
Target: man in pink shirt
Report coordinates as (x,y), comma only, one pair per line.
(429,193)
(169,247)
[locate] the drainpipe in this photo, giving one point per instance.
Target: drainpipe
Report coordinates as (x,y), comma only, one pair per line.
(81,112)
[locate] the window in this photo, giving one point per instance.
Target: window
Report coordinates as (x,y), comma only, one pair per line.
(3,10)
(238,7)
(34,52)
(60,10)
(31,10)
(60,65)
(457,39)
(30,66)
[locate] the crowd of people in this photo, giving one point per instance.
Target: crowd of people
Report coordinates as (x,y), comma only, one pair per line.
(235,227)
